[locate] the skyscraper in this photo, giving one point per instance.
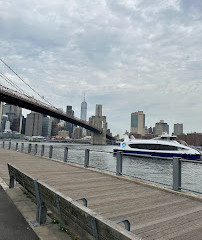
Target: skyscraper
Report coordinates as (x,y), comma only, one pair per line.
(161,127)
(34,124)
(138,122)
(54,127)
(98,110)
(78,133)
(14,114)
(7,127)
(1,115)
(83,117)
(46,126)
(8,108)
(3,122)
(69,126)
(69,110)
(178,128)
(84,110)
(100,122)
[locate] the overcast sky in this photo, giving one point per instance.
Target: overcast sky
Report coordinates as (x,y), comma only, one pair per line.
(127,55)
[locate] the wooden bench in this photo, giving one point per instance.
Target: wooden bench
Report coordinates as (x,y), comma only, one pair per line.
(70,212)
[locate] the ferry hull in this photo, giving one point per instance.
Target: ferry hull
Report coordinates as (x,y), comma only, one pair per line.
(159,155)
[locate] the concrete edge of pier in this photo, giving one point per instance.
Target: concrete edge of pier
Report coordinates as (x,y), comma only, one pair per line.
(27,208)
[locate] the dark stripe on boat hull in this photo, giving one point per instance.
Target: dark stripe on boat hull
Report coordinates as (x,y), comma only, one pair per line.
(160,155)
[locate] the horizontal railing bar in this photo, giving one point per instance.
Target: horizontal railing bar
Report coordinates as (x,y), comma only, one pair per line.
(190,161)
(105,170)
(190,190)
(147,180)
(80,164)
(99,151)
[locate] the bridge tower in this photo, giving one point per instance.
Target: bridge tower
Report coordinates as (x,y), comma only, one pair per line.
(99,121)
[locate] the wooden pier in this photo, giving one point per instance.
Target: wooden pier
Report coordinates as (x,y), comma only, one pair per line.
(153,212)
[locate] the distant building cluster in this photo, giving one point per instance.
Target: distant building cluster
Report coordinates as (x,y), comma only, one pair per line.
(11,119)
(138,127)
(139,130)
(14,125)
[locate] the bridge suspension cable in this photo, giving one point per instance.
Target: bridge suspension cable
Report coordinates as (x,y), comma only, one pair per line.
(26,83)
(13,84)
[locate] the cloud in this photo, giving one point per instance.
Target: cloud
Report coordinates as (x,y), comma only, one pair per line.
(127,55)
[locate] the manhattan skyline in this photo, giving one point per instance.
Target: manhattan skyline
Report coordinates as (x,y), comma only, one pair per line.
(126,55)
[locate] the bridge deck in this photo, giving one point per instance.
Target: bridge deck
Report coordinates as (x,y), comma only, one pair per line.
(153,213)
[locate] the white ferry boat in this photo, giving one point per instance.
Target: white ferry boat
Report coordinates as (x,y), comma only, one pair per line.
(164,146)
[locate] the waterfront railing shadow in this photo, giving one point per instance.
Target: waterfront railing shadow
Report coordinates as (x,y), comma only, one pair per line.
(173,174)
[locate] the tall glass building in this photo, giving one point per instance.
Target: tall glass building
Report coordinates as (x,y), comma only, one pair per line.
(138,122)
(46,126)
(69,126)
(84,110)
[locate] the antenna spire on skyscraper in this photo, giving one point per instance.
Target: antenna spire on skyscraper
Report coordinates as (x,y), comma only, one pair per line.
(84,109)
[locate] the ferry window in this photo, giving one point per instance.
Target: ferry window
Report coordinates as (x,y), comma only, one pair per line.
(154,147)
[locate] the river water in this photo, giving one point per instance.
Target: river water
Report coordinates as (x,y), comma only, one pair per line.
(101,157)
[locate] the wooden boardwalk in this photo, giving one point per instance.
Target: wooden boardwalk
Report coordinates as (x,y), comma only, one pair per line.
(152,212)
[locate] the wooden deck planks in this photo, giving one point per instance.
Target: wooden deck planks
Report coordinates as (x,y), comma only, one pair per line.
(172,221)
(150,214)
(153,213)
(195,234)
(189,231)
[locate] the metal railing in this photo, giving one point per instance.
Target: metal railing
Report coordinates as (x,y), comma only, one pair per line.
(177,174)
(176,168)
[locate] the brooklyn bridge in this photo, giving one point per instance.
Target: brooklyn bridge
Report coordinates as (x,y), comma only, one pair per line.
(19,98)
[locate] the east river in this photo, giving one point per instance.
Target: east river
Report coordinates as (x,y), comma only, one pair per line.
(101,157)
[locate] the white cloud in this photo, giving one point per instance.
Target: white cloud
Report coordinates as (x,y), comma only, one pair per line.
(127,55)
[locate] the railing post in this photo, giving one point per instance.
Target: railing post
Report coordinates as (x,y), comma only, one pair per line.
(42,150)
(35,149)
(176,174)
(87,154)
(22,147)
(3,144)
(119,163)
(16,147)
(29,148)
(51,152)
(65,154)
(9,145)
